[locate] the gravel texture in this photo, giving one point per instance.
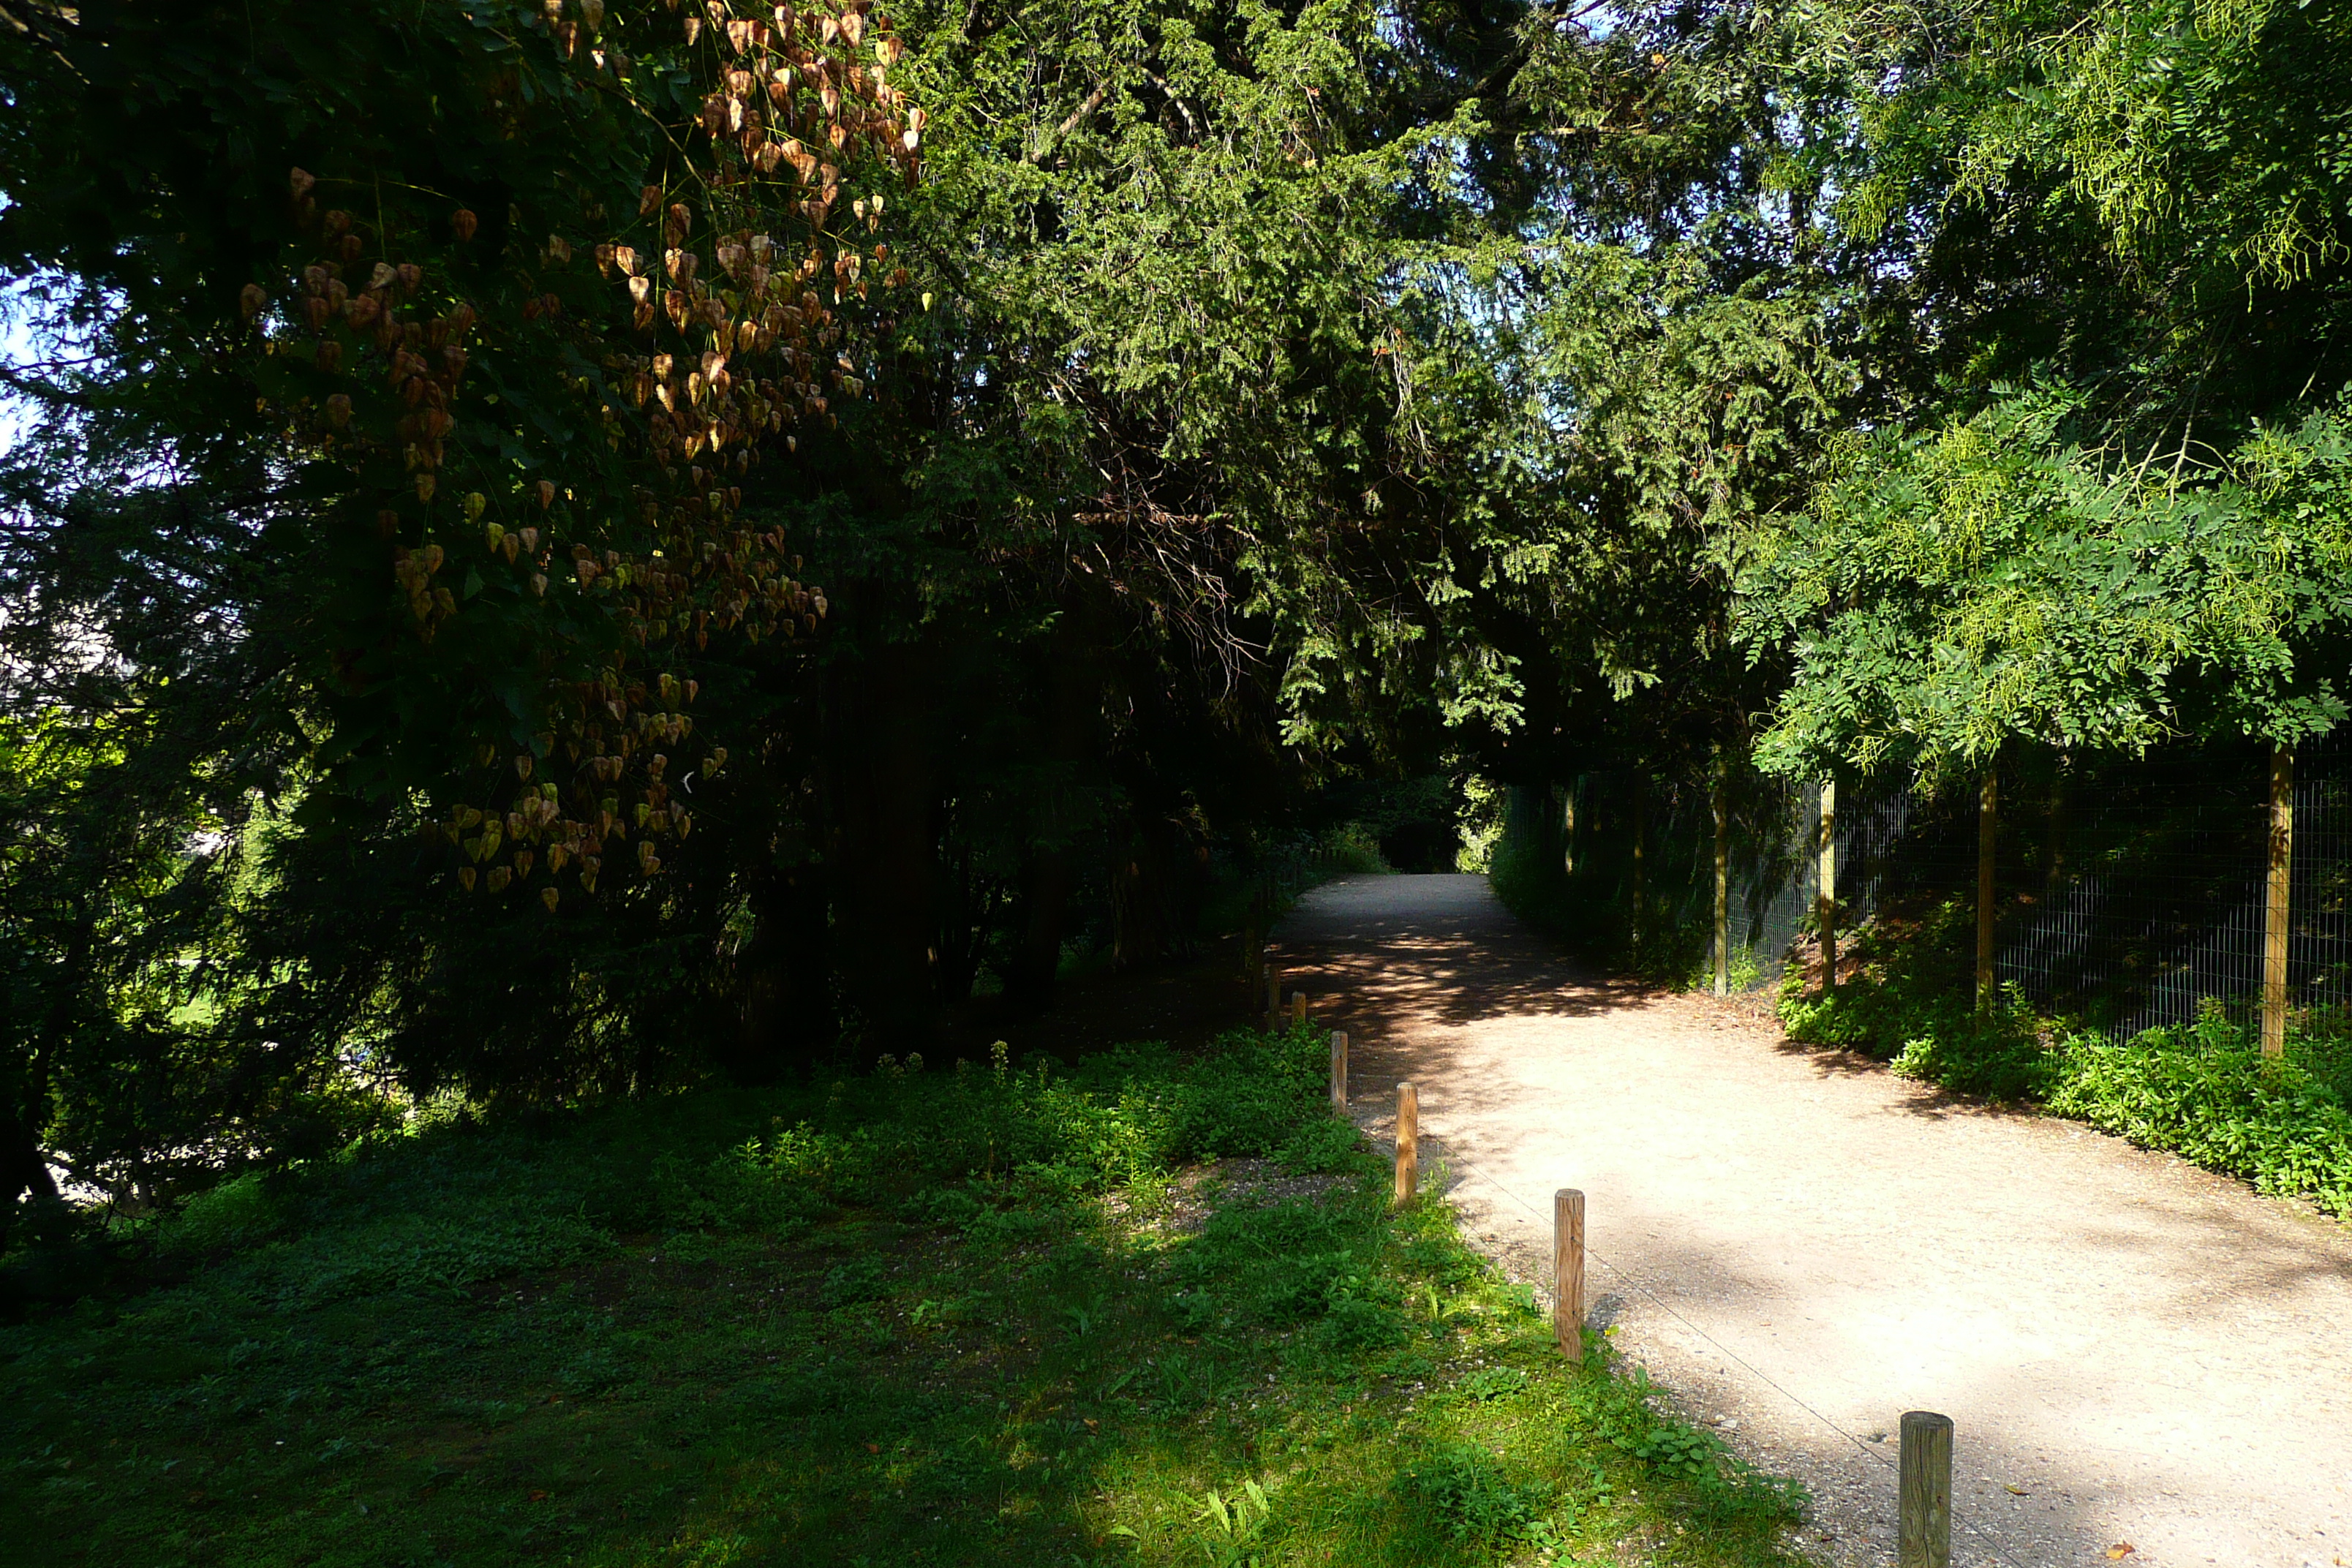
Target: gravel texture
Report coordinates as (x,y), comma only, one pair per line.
(1798,1246)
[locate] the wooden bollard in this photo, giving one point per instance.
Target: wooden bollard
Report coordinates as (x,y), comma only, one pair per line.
(1273,992)
(1568,1272)
(1408,1142)
(1924,1529)
(1298,1006)
(1338,1070)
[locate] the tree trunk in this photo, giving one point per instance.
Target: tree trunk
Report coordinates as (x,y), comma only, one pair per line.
(23,1164)
(2278,889)
(1722,878)
(1641,843)
(1987,819)
(1153,905)
(1825,886)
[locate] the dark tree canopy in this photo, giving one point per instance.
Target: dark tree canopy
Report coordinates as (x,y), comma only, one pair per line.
(558,550)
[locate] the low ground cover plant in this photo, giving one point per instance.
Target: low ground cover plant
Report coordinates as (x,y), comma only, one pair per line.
(1147,1309)
(2200,1091)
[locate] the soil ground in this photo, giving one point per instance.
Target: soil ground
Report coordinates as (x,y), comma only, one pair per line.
(2144,1362)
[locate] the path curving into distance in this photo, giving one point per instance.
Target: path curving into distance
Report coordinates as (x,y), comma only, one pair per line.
(1794,1240)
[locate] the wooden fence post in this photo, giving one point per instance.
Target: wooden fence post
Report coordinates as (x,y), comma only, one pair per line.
(1825,895)
(1641,836)
(2276,894)
(1338,1070)
(1924,1528)
(1298,1006)
(1988,809)
(1568,1272)
(1568,829)
(1408,1142)
(1722,877)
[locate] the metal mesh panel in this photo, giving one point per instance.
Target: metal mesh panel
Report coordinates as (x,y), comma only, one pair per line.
(2151,892)
(2320,934)
(2129,892)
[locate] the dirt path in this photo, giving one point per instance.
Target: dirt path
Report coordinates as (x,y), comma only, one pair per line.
(1797,1242)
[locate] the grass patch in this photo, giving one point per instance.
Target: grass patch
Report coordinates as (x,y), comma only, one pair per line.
(1150,1309)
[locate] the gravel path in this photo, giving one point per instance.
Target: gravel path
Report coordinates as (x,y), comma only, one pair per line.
(1795,1241)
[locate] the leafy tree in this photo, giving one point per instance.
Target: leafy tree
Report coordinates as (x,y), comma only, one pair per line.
(2113,517)
(1957,593)
(391,473)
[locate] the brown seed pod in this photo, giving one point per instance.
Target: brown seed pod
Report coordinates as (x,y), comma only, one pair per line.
(463,224)
(545,490)
(300,181)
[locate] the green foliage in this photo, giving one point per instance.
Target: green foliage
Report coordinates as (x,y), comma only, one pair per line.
(579,1339)
(1478,1504)
(378,521)
(1986,587)
(1910,1000)
(2203,1092)
(1592,909)
(1492,1382)
(1676,1451)
(2107,509)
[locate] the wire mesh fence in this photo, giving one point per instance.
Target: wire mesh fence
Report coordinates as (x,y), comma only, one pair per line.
(2128,892)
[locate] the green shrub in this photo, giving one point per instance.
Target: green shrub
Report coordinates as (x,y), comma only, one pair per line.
(1326,1146)
(2200,1092)
(1462,1485)
(2203,1092)
(1355,849)
(1911,1001)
